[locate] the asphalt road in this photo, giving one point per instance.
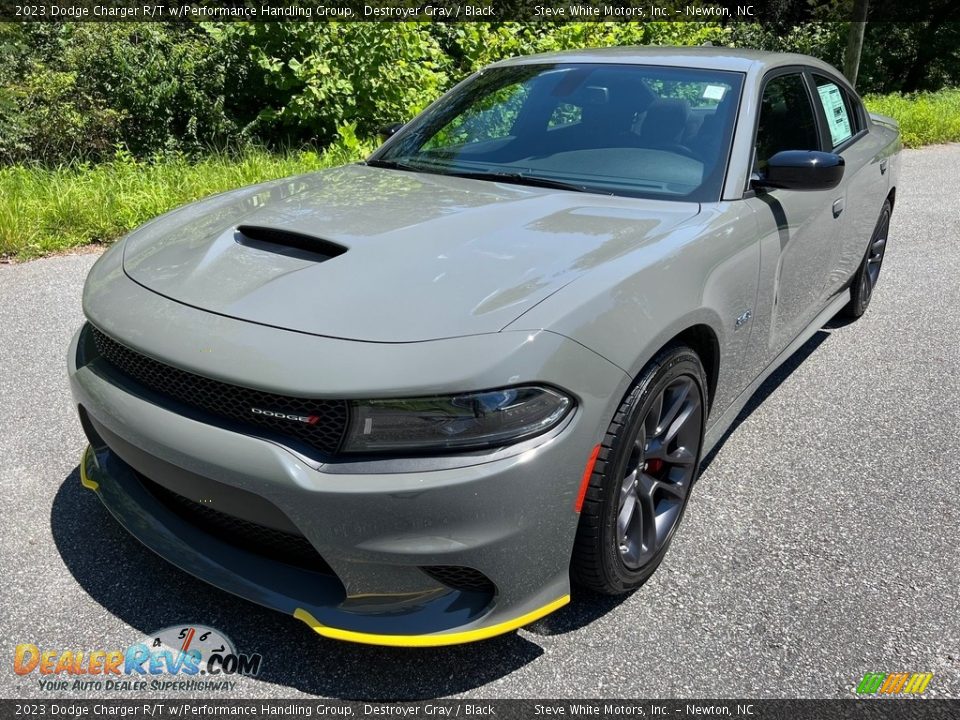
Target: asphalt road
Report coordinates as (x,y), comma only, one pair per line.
(822,542)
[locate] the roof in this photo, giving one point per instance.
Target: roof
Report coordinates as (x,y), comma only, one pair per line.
(714,58)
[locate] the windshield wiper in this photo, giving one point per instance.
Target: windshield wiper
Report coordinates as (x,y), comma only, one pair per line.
(508,177)
(524,179)
(395,165)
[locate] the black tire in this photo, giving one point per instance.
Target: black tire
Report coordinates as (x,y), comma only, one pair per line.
(865,279)
(607,558)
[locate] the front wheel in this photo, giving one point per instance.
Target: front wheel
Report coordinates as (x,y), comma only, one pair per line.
(867,275)
(648,461)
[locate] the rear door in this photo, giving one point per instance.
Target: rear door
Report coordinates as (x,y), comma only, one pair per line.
(798,229)
(845,131)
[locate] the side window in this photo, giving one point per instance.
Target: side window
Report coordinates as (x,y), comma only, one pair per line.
(786,119)
(837,109)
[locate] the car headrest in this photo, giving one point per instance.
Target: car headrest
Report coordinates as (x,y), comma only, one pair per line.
(665,121)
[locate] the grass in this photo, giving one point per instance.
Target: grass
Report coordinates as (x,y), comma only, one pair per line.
(43,211)
(51,210)
(925,118)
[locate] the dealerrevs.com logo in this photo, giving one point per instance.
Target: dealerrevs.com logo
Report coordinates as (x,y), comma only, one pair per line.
(187,657)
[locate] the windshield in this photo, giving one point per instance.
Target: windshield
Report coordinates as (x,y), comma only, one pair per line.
(634,130)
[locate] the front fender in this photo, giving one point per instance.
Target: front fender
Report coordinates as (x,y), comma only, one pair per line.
(705,272)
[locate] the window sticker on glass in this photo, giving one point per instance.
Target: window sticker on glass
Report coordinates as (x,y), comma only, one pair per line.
(714,92)
(837,119)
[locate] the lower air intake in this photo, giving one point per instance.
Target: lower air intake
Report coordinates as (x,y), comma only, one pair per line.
(258,539)
(460,578)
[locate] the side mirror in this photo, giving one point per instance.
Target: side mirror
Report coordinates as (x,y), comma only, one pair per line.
(801,170)
(388,131)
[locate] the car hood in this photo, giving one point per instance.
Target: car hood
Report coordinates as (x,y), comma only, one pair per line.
(383,255)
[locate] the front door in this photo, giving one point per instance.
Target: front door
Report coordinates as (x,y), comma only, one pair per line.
(799,229)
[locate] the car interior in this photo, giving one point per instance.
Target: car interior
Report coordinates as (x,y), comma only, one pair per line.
(786,120)
(606,125)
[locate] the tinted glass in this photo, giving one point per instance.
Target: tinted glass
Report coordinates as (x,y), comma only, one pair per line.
(786,119)
(836,107)
(617,129)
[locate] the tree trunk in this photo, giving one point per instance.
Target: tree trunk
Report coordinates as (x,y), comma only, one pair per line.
(851,58)
(926,52)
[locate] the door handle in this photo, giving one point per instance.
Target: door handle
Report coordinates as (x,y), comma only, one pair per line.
(883,166)
(837,207)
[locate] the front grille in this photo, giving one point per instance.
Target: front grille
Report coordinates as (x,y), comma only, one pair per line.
(250,536)
(460,578)
(328,417)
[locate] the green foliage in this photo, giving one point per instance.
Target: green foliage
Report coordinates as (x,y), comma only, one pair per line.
(49,210)
(470,46)
(896,57)
(48,116)
(910,57)
(925,118)
(824,40)
(166,83)
(307,79)
(75,91)
(113,123)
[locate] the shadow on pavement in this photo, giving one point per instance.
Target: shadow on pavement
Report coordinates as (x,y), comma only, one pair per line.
(148,594)
(585,607)
(767,388)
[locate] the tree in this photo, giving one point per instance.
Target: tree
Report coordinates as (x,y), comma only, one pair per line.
(851,58)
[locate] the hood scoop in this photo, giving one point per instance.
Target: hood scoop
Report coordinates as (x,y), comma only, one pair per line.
(288,243)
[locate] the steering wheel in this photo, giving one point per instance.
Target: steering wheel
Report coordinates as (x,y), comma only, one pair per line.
(679,149)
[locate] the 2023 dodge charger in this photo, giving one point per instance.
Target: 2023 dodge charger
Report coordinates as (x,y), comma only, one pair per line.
(408,399)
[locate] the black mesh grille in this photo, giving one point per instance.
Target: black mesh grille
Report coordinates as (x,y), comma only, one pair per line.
(460,578)
(324,431)
(250,536)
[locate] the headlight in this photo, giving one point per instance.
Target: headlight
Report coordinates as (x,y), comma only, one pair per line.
(454,422)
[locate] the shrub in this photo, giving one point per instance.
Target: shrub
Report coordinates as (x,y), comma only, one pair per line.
(74,91)
(925,118)
(47,116)
(470,46)
(165,81)
(304,80)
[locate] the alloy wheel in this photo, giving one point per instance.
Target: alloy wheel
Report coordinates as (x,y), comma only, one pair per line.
(874,259)
(659,471)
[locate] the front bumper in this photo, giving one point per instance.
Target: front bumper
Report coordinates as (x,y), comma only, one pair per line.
(509,517)
(307,596)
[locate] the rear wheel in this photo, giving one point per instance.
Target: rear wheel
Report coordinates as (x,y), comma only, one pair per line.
(867,275)
(648,461)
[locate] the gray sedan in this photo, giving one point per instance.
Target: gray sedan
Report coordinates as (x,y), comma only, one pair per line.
(410,400)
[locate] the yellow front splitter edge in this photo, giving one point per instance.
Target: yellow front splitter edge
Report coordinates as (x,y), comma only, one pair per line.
(85,479)
(453,638)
